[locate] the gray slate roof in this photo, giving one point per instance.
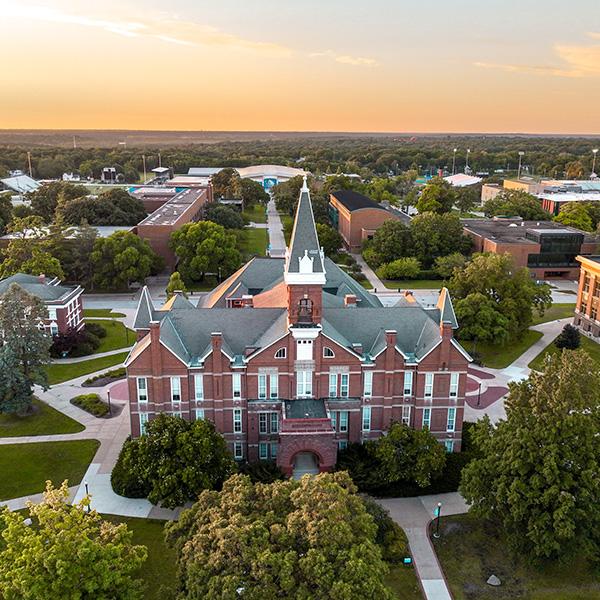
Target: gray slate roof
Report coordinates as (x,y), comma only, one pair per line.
(304,237)
(46,292)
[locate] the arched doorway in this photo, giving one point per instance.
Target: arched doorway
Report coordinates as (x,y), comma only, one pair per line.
(305,463)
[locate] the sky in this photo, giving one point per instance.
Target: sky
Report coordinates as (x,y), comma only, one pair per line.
(302,65)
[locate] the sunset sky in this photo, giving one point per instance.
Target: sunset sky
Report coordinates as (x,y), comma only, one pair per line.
(315,65)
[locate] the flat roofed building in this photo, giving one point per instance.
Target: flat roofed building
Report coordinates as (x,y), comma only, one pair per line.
(357,217)
(587,309)
(546,248)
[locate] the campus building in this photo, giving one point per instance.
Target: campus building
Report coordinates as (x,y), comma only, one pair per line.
(548,249)
(587,309)
(292,359)
(65,309)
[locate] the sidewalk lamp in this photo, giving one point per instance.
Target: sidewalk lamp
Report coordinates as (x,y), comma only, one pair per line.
(437,512)
(454,161)
(87,493)
(479,394)
(109,406)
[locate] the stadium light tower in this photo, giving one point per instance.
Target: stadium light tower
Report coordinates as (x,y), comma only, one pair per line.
(519,170)
(593,175)
(454,161)
(467,163)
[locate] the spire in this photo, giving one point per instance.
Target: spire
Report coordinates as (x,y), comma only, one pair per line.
(304,257)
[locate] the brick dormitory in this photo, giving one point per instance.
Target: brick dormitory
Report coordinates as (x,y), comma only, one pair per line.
(292,359)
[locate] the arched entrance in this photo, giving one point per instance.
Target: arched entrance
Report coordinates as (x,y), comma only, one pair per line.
(305,463)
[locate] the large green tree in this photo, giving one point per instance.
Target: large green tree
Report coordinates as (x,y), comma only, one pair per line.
(227,184)
(575,214)
(304,539)
(67,553)
(225,216)
(46,198)
(391,241)
(491,282)
(537,471)
(205,247)
(516,203)
(24,352)
(329,239)
(122,258)
(253,192)
(6,210)
(438,196)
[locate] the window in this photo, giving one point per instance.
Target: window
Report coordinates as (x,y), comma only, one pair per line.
(280,353)
(262,423)
(368,384)
(342,444)
(273,450)
(176,413)
(142,389)
(274,422)
(328,352)
(237,420)
(274,386)
(268,422)
(175,389)
(199,387)
(453,385)
(451,419)
(238,451)
(366,418)
(449,444)
(406,415)
(262,387)
(304,350)
(428,385)
(426,417)
(334,420)
(304,384)
(344,384)
(53,329)
(263,451)
(199,413)
(408,383)
(343,420)
(332,385)
(237,384)
(143,422)
(52,314)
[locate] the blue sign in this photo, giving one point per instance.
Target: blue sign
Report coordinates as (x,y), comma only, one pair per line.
(269,182)
(407,560)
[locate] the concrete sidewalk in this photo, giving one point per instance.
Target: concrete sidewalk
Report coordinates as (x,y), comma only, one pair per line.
(277,245)
(378,285)
(78,359)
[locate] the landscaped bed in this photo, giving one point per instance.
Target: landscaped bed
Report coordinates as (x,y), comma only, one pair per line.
(58,373)
(103,379)
(92,404)
(26,467)
(470,550)
(591,347)
(43,420)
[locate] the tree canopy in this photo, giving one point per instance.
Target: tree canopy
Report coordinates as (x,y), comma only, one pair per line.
(575,214)
(311,538)
(225,216)
(46,198)
(516,203)
(329,239)
(537,471)
(437,196)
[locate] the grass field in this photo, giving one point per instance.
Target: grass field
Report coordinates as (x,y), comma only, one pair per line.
(402,580)
(101,312)
(117,335)
(256,213)
(26,467)
(556,311)
(57,373)
(470,550)
(499,357)
(592,348)
(44,421)
(413,284)
(253,242)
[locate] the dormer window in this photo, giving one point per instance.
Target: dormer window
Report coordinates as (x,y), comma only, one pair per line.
(305,310)
(328,352)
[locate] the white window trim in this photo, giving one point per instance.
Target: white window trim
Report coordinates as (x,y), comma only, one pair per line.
(408,383)
(332,389)
(366,418)
(274,385)
(328,352)
(236,385)
(304,384)
(175,388)
(262,386)
(451,420)
(454,379)
(199,414)
(343,420)
(428,388)
(368,384)
(281,353)
(145,390)
(143,422)
(406,415)
(199,386)
(274,422)
(238,455)
(426,422)
(344,387)
(263,423)
(237,421)
(263,446)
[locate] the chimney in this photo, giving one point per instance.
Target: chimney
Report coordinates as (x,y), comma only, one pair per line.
(216,339)
(357,347)
(247,301)
(42,278)
(154,331)
(155,350)
(390,337)
(350,300)
(408,295)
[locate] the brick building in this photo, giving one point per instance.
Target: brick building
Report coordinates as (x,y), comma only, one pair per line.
(292,359)
(587,309)
(65,309)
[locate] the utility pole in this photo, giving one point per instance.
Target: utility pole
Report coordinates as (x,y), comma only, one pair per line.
(159,161)
(593,175)
(454,161)
(144,161)
(29,161)
(519,169)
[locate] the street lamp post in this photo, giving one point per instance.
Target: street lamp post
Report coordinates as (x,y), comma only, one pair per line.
(438,513)
(87,493)
(454,161)
(519,170)
(479,394)
(467,163)
(593,175)
(109,406)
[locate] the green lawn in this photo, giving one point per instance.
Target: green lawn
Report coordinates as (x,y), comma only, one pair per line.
(591,347)
(26,467)
(159,570)
(101,312)
(44,421)
(413,284)
(556,311)
(117,335)
(366,284)
(471,550)
(402,580)
(57,373)
(499,357)
(253,241)
(207,285)
(256,213)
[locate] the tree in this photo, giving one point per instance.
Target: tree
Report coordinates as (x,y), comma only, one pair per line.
(253,192)
(575,170)
(329,239)
(401,268)
(575,214)
(46,198)
(225,216)
(481,319)
(311,538)
(434,235)
(6,210)
(516,203)
(569,338)
(467,197)
(176,284)
(445,265)
(227,184)
(122,258)
(78,266)
(438,196)
(68,553)
(404,454)
(391,241)
(510,291)
(176,459)
(42,263)
(114,207)
(24,353)
(537,471)
(204,247)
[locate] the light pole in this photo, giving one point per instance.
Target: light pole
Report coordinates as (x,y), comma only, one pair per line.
(454,161)
(519,170)
(109,406)
(438,512)
(87,493)
(144,162)
(467,163)
(593,175)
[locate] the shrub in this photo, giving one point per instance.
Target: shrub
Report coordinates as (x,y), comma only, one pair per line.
(262,471)
(74,343)
(126,479)
(96,329)
(403,268)
(91,403)
(389,537)
(569,338)
(114,374)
